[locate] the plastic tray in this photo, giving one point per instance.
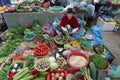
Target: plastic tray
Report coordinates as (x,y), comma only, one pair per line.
(110,57)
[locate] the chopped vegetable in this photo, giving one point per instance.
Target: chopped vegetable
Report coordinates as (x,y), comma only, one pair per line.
(77,61)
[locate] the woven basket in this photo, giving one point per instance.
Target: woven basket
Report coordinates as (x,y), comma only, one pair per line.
(114,5)
(60,43)
(39,35)
(39,61)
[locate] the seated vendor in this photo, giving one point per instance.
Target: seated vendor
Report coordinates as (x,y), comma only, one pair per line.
(71,20)
(45,3)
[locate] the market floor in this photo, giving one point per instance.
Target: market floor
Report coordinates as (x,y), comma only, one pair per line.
(112,41)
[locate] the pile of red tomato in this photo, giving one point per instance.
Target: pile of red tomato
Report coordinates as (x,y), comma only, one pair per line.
(41,50)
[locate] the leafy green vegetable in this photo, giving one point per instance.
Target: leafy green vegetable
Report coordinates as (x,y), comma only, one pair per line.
(8,47)
(29,61)
(16,32)
(14,37)
(100,63)
(81,42)
(41,76)
(4,73)
(61,38)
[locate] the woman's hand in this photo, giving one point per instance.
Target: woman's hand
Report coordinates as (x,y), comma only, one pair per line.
(74,30)
(64,29)
(41,1)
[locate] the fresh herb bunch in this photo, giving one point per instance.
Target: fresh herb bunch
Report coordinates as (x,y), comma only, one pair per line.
(36,27)
(29,61)
(100,63)
(16,32)
(4,73)
(8,47)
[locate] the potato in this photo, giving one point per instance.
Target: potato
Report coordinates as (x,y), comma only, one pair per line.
(53,74)
(60,78)
(62,74)
(57,75)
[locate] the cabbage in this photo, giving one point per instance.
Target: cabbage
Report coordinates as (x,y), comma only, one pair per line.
(53,65)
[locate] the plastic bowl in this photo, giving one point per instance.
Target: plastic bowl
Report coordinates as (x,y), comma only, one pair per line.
(77,54)
(32,36)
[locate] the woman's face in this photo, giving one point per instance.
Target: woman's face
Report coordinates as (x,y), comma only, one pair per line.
(70,15)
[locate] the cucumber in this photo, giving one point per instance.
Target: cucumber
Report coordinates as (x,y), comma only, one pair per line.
(26,75)
(20,72)
(93,70)
(27,78)
(21,75)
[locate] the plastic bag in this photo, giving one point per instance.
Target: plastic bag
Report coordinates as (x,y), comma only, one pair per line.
(80,33)
(47,28)
(114,72)
(97,35)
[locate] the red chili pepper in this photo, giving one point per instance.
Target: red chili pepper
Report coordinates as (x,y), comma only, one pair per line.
(34,72)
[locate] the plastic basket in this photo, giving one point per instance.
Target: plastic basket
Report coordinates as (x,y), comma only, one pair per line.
(77,54)
(60,43)
(56,71)
(32,34)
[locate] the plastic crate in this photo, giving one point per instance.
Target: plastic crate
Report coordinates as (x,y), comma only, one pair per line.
(106,26)
(110,57)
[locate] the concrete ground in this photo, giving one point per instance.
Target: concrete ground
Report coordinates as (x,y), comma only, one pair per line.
(112,41)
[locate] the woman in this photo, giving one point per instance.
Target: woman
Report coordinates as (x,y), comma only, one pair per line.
(71,20)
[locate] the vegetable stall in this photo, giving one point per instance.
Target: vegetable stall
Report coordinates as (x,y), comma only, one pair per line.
(28,53)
